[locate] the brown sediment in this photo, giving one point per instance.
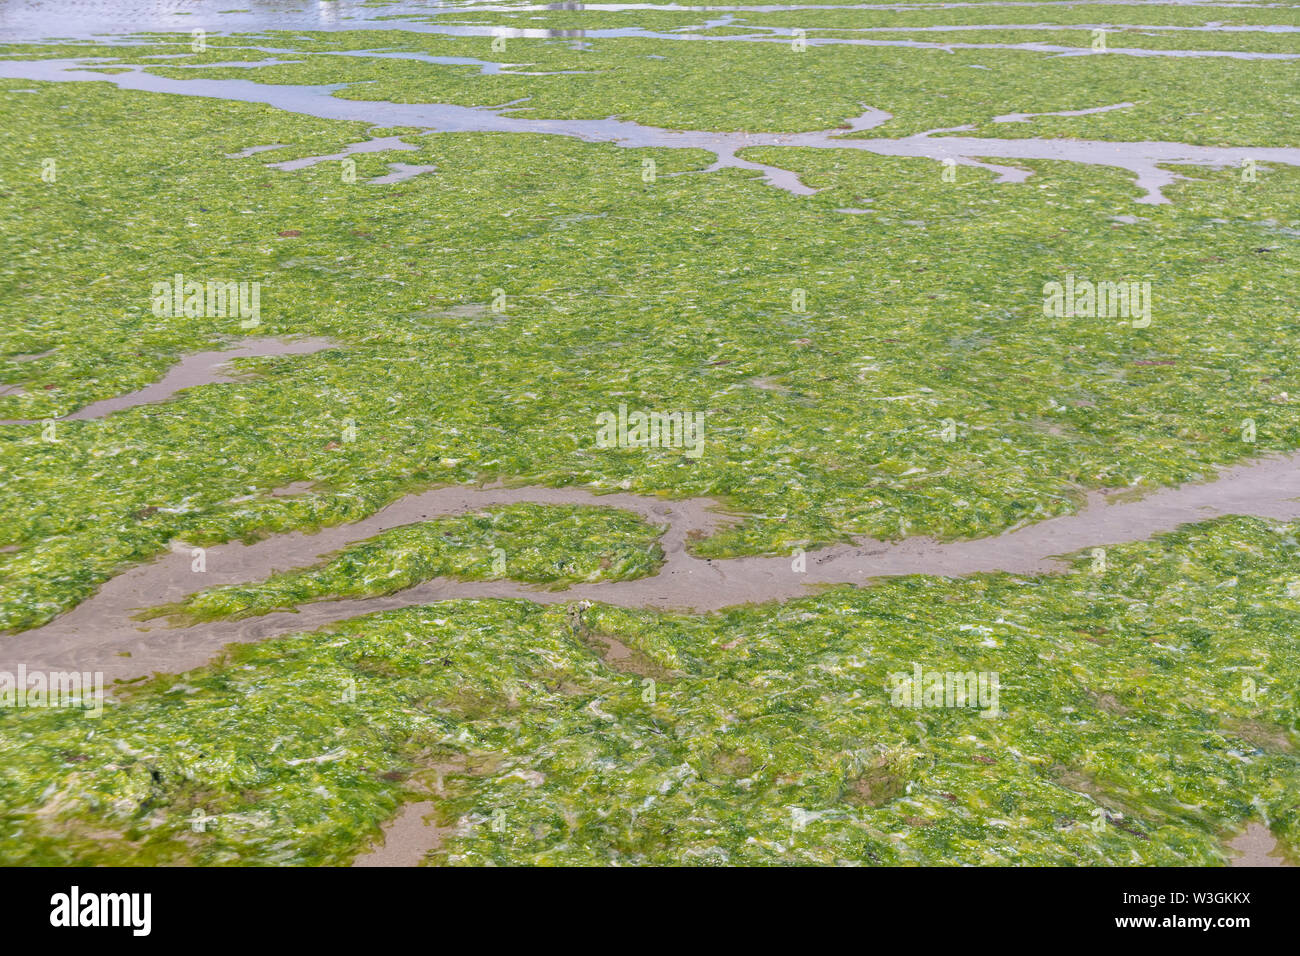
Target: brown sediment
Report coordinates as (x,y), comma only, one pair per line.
(1255,846)
(101,628)
(199,368)
(622,658)
(767,384)
(411,834)
(97,633)
(1260,734)
(876,786)
(408,837)
(1113,802)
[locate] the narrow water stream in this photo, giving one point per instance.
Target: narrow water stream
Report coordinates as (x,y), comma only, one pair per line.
(96,634)
(1146,160)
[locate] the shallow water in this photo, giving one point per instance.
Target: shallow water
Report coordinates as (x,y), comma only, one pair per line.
(957,27)
(785,35)
(1144,160)
(31,19)
(1026,117)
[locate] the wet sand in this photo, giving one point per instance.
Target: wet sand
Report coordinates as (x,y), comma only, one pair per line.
(1255,846)
(407,838)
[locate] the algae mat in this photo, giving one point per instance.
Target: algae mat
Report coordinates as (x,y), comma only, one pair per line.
(544,432)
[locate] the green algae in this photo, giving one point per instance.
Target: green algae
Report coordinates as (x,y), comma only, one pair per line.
(772,741)
(761,735)
(672,294)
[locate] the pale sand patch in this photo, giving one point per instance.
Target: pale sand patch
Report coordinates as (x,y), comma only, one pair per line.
(1255,846)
